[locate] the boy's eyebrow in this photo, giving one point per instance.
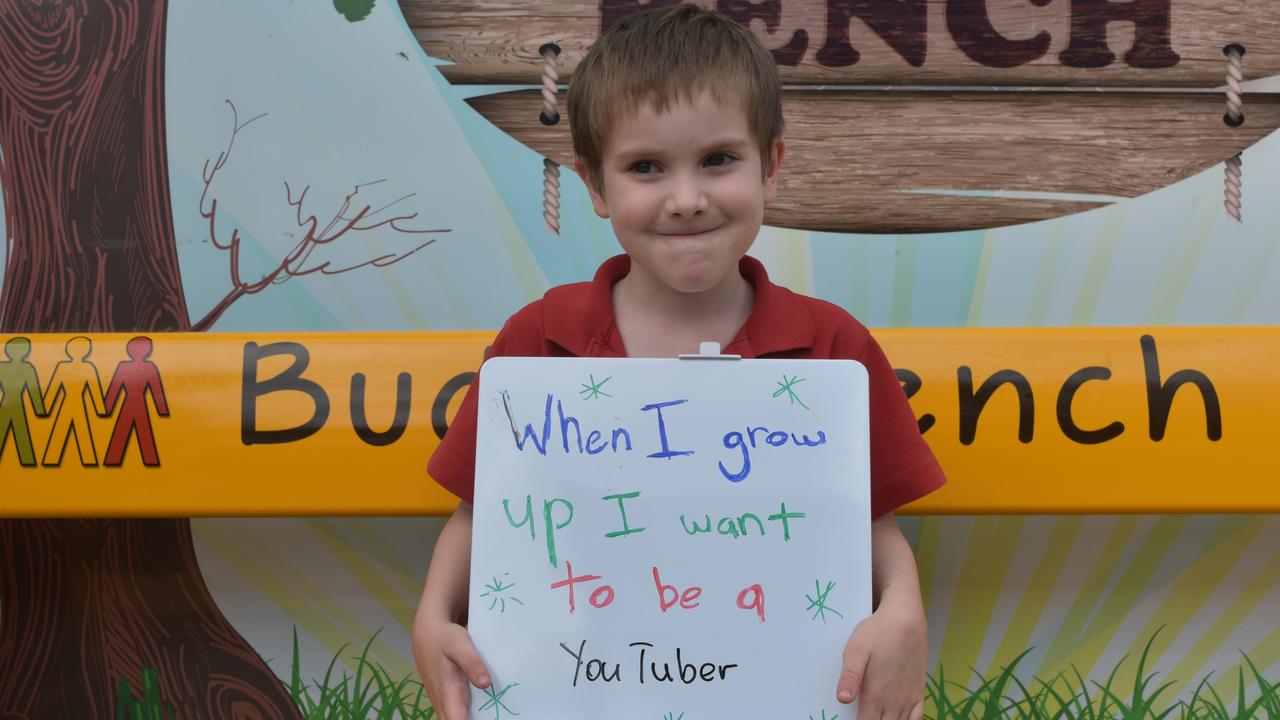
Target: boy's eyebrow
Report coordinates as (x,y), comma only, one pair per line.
(722,144)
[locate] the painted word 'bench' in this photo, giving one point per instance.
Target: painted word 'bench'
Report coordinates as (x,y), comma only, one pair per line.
(1060,420)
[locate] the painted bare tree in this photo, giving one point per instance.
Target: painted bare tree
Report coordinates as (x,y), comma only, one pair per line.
(351,217)
(84,169)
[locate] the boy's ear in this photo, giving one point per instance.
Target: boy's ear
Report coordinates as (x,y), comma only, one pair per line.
(771,173)
(593,187)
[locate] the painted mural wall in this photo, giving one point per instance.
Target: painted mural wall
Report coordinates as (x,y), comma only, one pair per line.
(239,118)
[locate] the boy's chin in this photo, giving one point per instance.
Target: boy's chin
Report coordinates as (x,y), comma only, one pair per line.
(697,283)
(690,273)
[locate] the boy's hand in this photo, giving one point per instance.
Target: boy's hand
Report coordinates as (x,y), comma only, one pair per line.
(884,664)
(448,663)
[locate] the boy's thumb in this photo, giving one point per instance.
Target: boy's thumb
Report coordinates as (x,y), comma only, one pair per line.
(851,673)
(464,655)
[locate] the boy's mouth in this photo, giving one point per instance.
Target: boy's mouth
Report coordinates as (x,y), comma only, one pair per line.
(693,232)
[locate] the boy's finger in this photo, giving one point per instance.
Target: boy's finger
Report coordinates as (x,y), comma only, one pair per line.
(455,703)
(457,700)
(917,712)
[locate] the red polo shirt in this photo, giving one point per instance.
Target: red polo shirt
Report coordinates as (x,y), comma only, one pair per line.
(577,320)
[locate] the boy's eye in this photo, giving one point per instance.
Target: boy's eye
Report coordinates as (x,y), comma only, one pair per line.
(718,159)
(644,167)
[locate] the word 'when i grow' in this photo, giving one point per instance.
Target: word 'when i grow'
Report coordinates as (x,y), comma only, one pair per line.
(619,439)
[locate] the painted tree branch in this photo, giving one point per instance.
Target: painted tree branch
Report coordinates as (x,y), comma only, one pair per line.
(353,216)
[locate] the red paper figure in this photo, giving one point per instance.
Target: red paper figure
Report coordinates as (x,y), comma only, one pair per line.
(135,377)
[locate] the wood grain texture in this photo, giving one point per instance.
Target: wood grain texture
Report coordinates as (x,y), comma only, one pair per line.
(87,206)
(90,602)
(963,42)
(861,161)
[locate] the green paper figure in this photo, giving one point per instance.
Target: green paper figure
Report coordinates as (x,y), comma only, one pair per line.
(18,377)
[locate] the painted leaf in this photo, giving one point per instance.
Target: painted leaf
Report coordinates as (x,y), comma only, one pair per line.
(354,10)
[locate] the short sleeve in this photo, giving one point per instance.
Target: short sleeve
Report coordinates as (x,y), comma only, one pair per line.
(903,467)
(453,464)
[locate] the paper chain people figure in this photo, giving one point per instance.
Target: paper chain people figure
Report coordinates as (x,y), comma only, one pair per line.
(72,380)
(18,377)
(73,386)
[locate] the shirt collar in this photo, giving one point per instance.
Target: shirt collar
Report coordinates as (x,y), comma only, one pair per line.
(779,320)
(583,323)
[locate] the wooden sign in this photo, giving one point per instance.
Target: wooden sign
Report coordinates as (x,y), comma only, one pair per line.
(866,158)
(1134,43)
(884,162)
(663,538)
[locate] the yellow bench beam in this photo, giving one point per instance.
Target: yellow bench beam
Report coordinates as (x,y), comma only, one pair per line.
(1062,420)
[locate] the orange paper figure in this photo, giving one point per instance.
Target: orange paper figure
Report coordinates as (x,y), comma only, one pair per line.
(72,379)
(135,377)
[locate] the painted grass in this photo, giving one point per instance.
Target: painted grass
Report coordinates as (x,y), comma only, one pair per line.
(149,706)
(371,692)
(1005,697)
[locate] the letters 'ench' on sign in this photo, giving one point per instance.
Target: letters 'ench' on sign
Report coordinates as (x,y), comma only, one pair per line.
(904,26)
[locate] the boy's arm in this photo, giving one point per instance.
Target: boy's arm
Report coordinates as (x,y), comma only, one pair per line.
(884,660)
(446,658)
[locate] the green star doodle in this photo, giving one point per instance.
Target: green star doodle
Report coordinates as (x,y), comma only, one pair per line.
(592,391)
(819,604)
(823,716)
(673,716)
(787,385)
(494,591)
(495,701)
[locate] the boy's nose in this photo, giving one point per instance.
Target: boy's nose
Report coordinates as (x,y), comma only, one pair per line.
(687,197)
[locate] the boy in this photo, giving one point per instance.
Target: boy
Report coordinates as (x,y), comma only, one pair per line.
(677,123)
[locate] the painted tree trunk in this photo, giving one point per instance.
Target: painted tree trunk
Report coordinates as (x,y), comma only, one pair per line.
(85,170)
(88,602)
(83,165)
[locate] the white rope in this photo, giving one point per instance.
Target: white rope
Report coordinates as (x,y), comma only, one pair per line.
(1234,118)
(550,84)
(550,116)
(551,195)
(1232,190)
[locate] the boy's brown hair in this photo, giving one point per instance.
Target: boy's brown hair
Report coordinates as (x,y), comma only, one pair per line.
(664,55)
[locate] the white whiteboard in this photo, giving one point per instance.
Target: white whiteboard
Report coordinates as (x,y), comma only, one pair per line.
(776,536)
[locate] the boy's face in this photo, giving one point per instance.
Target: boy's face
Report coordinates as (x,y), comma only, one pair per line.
(685,191)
